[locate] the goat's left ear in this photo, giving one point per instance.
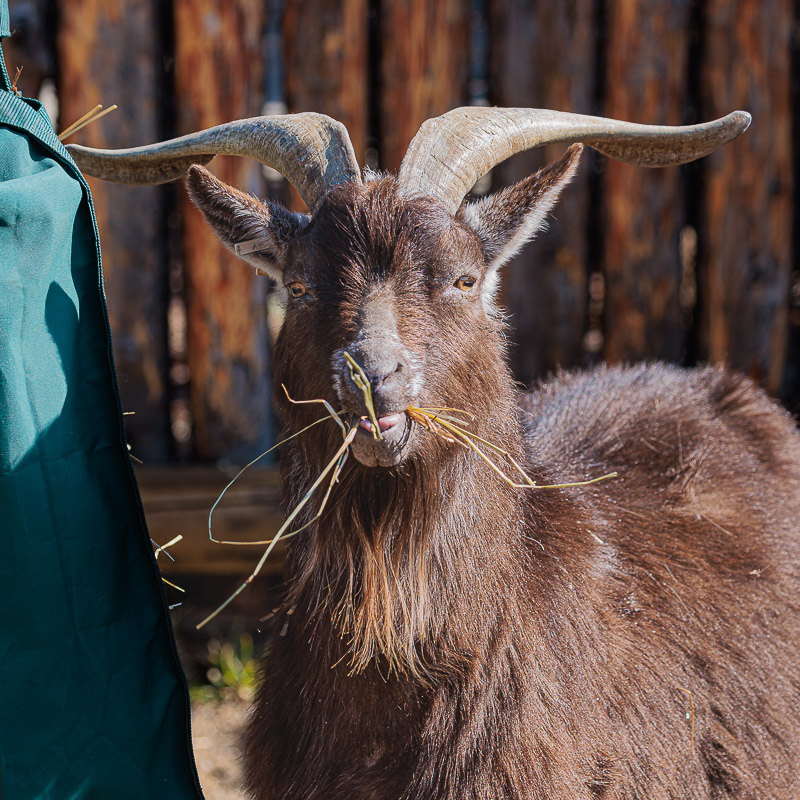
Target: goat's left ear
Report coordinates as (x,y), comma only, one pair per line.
(257,232)
(506,220)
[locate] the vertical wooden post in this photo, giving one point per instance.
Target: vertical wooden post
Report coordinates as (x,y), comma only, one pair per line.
(424,68)
(746,245)
(108,54)
(644,209)
(325,53)
(543,57)
(218,75)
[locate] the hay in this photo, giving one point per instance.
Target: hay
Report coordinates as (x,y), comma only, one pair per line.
(14,88)
(451,429)
(691,706)
(335,465)
(162,548)
(360,379)
(87,119)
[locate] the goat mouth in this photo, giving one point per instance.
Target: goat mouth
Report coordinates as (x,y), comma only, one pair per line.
(384,423)
(390,449)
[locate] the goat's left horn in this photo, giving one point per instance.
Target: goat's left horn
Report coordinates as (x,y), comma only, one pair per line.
(452,152)
(312,151)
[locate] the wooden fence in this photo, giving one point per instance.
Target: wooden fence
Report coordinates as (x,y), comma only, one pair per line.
(690,264)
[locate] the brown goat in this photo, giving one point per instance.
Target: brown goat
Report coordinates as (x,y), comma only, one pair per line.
(445,635)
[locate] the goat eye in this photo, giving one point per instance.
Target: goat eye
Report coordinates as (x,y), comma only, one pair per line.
(465,283)
(296,289)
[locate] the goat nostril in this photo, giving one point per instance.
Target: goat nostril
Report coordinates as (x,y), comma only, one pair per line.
(377,371)
(387,376)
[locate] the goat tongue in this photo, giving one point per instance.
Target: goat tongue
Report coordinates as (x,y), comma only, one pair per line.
(389,421)
(384,423)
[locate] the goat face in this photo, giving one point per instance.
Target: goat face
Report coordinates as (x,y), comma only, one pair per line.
(394,284)
(402,286)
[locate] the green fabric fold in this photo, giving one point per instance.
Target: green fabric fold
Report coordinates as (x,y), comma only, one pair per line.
(93,701)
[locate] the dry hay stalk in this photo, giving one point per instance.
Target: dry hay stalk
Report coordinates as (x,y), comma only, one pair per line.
(359,378)
(450,429)
(691,706)
(87,119)
(335,464)
(162,548)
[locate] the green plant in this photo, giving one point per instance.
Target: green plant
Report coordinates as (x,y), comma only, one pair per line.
(232,671)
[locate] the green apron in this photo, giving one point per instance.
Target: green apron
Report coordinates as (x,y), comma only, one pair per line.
(93,701)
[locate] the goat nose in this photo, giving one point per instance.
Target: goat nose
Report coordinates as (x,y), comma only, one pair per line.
(383,375)
(385,372)
(379,372)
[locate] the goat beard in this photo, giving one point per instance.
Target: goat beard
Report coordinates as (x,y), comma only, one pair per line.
(368,566)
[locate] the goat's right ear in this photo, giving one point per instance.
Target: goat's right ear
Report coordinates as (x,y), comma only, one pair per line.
(506,220)
(262,230)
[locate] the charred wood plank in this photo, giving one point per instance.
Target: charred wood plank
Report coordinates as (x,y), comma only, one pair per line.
(543,56)
(644,209)
(218,74)
(745,248)
(108,54)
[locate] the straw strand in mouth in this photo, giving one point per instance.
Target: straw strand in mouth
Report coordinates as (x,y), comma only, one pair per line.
(335,464)
(359,378)
(450,428)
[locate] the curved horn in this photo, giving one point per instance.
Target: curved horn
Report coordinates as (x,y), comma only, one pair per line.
(451,153)
(312,151)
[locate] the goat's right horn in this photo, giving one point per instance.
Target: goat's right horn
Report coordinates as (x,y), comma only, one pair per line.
(452,152)
(312,151)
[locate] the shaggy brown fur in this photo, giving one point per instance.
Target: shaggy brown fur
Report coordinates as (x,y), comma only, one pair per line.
(445,636)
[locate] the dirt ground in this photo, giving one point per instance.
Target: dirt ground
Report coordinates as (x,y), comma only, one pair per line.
(215,733)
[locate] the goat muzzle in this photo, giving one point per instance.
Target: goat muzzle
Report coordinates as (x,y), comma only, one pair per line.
(387,369)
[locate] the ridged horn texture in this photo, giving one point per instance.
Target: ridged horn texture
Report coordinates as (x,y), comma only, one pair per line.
(311,150)
(451,153)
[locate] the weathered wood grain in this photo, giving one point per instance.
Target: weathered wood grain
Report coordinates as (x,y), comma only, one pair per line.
(543,56)
(424,68)
(108,54)
(218,74)
(644,209)
(746,241)
(325,56)
(177,501)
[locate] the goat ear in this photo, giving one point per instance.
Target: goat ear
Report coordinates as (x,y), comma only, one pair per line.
(262,230)
(506,220)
